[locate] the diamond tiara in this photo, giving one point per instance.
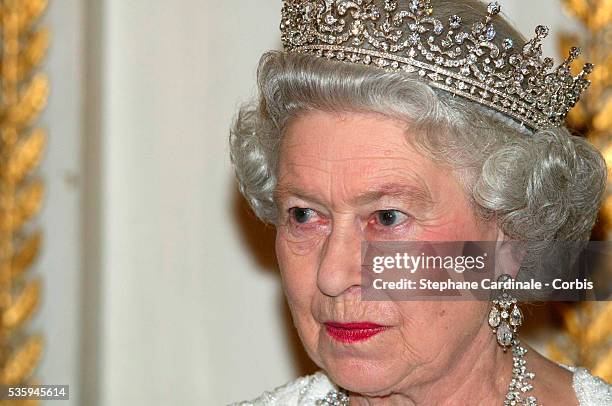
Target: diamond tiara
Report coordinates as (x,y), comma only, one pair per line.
(463,61)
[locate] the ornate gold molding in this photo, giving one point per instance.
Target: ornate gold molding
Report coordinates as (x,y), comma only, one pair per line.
(23,95)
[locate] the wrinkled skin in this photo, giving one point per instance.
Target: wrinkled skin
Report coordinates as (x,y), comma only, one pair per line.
(432,352)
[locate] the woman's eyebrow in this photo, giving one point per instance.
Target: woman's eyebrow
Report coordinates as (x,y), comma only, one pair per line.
(403,191)
(287,189)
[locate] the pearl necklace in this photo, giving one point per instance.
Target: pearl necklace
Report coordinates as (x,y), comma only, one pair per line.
(518,385)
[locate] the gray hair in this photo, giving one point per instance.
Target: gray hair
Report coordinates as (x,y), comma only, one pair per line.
(540,187)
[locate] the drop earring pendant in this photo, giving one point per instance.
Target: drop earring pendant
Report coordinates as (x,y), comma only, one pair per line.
(505,316)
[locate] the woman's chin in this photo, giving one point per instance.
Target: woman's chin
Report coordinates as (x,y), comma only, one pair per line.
(374,378)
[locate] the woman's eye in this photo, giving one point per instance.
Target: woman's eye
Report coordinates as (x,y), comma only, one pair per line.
(301,215)
(390,218)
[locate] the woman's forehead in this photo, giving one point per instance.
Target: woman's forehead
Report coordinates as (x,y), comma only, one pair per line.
(345,135)
(355,157)
(364,145)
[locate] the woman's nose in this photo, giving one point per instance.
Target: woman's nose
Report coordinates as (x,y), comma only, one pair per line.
(340,264)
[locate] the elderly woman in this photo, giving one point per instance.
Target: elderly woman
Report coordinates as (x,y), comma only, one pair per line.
(412,121)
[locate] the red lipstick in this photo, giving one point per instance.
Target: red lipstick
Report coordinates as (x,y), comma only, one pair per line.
(353,332)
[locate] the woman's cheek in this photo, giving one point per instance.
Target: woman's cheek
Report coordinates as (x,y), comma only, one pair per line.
(298,257)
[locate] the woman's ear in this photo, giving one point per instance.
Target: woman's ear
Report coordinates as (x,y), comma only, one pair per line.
(501,236)
(509,255)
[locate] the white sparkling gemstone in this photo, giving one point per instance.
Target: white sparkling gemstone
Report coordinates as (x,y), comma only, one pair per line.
(494,318)
(478,27)
(459,38)
(455,21)
(381,62)
(490,33)
(433,76)
(390,5)
(504,334)
(494,8)
(542,31)
(516,317)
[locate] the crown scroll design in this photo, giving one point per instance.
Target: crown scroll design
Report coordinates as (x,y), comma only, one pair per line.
(467,61)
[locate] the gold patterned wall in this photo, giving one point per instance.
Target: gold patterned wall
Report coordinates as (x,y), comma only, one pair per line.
(586,339)
(23,94)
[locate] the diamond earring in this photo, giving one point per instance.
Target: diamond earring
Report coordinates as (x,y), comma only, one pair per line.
(505,316)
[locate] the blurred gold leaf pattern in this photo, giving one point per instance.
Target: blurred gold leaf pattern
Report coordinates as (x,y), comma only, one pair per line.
(33,53)
(25,254)
(23,306)
(23,361)
(27,155)
(23,95)
(30,103)
(586,339)
(25,205)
